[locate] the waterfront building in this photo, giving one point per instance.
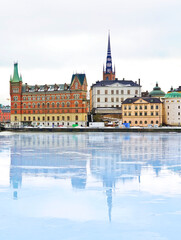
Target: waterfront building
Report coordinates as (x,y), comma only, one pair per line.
(157,92)
(172,109)
(142,111)
(106,96)
(5,114)
(48,105)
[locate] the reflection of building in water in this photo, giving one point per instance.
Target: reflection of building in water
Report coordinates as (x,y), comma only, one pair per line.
(49,155)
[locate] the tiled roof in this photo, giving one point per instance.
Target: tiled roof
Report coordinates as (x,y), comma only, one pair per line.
(41,88)
(104,83)
(80,76)
(147,99)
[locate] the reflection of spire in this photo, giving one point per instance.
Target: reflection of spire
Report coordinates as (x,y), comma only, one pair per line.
(109,202)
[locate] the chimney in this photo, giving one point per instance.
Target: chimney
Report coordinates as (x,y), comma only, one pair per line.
(139,81)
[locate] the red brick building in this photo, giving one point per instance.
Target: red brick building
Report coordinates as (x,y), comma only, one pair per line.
(48,105)
(5,114)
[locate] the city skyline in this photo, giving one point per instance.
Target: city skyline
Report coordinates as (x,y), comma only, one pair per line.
(54,40)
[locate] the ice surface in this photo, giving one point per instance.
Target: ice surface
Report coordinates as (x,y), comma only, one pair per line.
(90,186)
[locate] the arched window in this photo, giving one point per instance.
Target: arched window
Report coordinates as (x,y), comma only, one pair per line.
(33,105)
(43,105)
(15,105)
(58,104)
(38,105)
(76,104)
(24,105)
(76,118)
(29,105)
(48,105)
(53,105)
(63,104)
(68,104)
(68,118)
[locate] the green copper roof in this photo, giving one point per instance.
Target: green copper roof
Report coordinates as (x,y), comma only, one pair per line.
(157,91)
(173,95)
(80,76)
(16,77)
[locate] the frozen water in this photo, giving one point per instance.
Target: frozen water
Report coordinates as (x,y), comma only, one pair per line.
(90,186)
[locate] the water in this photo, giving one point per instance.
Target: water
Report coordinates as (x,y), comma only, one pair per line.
(90,186)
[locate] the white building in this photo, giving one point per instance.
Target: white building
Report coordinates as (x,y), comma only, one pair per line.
(111,93)
(172,109)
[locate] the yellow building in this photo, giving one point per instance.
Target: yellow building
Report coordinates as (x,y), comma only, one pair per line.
(142,111)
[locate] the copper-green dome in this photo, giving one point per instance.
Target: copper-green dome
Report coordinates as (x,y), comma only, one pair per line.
(16,77)
(173,95)
(157,92)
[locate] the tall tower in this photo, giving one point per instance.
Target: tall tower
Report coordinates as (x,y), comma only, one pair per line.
(108,73)
(16,96)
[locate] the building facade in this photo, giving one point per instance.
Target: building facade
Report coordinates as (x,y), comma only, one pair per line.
(48,105)
(142,111)
(5,114)
(107,95)
(172,109)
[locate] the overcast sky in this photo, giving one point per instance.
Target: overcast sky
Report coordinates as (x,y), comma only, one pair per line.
(51,40)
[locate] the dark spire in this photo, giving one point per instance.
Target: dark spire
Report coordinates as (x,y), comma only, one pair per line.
(109,58)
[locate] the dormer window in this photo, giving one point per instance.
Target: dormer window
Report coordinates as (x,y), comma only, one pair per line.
(55,87)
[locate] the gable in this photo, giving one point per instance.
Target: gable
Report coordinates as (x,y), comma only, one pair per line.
(140,101)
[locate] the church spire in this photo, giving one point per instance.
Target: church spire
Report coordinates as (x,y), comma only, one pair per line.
(109,58)
(108,73)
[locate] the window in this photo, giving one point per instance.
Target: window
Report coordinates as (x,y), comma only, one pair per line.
(136,122)
(140,113)
(151,113)
(63,104)
(53,118)
(125,107)
(33,118)
(106,92)
(15,105)
(129,122)
(76,104)
(151,122)
(58,118)
(68,118)
(122,99)
(156,122)
(33,105)
(15,118)
(156,106)
(38,105)
(145,122)
(156,113)
(125,114)
(145,107)
(112,91)
(136,114)
(98,99)
(38,118)
(53,97)
(112,99)
(105,99)
(43,105)
(76,118)
(136,107)
(117,106)
(128,91)
(145,113)
(24,118)
(168,113)
(151,106)
(136,91)
(63,118)
(117,91)
(140,107)
(129,113)
(43,118)
(117,99)
(141,122)
(68,104)
(178,107)
(48,105)
(129,107)
(178,113)
(122,91)
(58,105)
(98,91)
(76,85)
(53,105)
(167,107)
(29,118)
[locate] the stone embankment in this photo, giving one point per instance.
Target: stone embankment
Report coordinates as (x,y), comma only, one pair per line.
(106,129)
